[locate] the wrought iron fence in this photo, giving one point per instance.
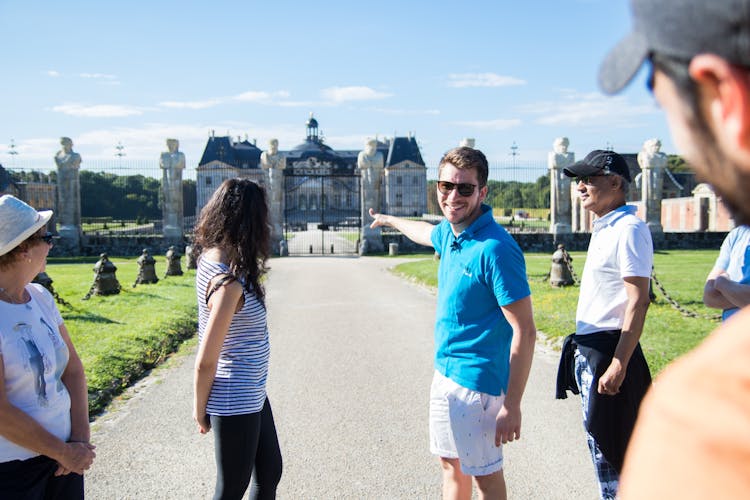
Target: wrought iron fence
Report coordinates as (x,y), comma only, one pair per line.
(118,197)
(122,197)
(518,192)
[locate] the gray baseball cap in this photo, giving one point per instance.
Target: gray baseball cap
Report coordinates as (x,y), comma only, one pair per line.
(680,29)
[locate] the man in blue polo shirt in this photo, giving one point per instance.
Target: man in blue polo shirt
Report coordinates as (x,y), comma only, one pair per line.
(484,331)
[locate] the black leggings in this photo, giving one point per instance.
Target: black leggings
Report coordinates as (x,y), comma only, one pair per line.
(246,445)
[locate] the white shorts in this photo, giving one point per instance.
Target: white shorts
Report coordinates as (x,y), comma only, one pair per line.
(462,425)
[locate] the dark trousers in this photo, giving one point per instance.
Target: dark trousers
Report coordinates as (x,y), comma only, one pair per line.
(34,479)
(246,446)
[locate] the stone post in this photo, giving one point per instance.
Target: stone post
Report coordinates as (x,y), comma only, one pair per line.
(68,195)
(273,164)
(560,187)
(172,163)
(370,163)
(652,163)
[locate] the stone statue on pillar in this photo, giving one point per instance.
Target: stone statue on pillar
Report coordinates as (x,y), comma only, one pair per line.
(172,163)
(370,164)
(273,164)
(467,142)
(653,163)
(68,194)
(560,194)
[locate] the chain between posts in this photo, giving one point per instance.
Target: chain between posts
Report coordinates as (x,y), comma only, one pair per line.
(569,263)
(684,311)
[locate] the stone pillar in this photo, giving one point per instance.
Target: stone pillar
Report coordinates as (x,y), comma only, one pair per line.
(172,163)
(273,164)
(370,163)
(560,187)
(652,163)
(68,195)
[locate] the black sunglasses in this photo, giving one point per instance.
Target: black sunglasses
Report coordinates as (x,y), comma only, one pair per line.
(676,68)
(587,179)
(46,237)
(463,188)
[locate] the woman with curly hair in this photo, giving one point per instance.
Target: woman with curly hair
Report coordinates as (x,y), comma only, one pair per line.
(232,241)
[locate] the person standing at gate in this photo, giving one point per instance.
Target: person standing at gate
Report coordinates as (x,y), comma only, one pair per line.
(233,240)
(692,437)
(728,284)
(484,331)
(603,360)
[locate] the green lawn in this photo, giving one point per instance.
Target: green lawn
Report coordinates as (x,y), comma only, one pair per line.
(120,337)
(667,333)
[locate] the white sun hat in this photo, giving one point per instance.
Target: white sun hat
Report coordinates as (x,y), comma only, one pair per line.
(18,221)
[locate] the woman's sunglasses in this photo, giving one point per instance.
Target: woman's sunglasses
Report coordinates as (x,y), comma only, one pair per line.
(463,188)
(47,237)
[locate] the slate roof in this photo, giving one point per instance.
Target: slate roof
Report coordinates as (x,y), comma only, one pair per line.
(403,149)
(238,154)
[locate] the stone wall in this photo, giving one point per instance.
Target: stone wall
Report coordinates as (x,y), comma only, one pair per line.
(119,245)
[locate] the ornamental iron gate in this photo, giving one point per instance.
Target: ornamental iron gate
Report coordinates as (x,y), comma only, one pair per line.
(321,213)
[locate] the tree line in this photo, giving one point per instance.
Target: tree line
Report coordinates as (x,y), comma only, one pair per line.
(119,197)
(504,194)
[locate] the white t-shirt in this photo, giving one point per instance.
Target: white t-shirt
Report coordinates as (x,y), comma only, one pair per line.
(620,247)
(34,357)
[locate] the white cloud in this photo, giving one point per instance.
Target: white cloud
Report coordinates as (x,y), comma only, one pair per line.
(589,109)
(191,104)
(461,80)
(98,110)
(256,96)
(497,124)
(352,93)
(261,96)
(98,76)
(53,73)
(408,112)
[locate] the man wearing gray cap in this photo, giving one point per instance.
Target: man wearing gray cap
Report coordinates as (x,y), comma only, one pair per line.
(692,438)
(603,359)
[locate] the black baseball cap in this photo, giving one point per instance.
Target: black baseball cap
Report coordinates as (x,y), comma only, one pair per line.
(680,29)
(599,162)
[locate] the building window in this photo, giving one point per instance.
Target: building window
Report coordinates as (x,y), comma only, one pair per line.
(349,200)
(399,180)
(208,181)
(416,180)
(399,199)
(302,202)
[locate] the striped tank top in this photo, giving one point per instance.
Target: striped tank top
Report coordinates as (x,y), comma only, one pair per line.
(240,383)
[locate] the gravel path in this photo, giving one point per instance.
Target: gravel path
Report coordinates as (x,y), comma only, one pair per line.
(351,366)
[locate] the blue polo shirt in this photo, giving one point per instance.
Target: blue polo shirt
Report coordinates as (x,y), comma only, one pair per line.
(480,270)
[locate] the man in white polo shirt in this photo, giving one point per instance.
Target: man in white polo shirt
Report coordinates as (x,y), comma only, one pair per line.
(603,359)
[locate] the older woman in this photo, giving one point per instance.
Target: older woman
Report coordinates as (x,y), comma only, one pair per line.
(44,425)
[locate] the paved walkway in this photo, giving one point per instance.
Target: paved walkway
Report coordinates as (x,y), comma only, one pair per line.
(350,371)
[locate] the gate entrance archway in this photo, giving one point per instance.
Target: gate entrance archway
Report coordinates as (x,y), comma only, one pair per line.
(321,213)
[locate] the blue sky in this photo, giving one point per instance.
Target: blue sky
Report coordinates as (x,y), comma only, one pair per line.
(138,72)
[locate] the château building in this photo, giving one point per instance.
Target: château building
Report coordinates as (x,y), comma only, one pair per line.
(321,185)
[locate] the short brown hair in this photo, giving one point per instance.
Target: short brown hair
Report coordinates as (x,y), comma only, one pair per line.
(465,158)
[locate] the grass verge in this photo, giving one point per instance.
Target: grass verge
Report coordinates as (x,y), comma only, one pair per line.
(120,337)
(667,333)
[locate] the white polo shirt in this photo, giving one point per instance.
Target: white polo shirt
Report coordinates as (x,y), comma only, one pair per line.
(620,247)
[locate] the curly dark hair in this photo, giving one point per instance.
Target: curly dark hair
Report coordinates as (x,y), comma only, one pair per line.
(236,219)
